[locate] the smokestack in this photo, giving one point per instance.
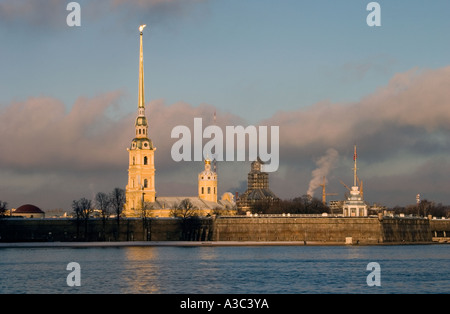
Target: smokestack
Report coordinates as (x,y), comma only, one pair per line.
(324,165)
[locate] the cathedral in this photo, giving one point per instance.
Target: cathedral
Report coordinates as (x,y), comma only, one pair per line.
(140,190)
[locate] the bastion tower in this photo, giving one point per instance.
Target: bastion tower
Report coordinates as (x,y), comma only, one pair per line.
(141,168)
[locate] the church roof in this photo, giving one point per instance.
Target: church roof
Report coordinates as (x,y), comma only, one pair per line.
(258,195)
(170,202)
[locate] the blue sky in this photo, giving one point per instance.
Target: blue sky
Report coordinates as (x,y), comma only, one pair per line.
(247,58)
(237,55)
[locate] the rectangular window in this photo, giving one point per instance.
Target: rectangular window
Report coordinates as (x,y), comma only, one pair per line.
(209,190)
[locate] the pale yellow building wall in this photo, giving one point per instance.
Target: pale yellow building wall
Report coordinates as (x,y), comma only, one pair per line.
(28,215)
(141,180)
(207,190)
(207,183)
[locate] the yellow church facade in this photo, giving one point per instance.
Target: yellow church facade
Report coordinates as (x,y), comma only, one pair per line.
(140,191)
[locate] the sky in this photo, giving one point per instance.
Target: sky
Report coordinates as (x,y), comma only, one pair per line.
(68,95)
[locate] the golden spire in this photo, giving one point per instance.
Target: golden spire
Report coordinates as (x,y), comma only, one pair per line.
(141,103)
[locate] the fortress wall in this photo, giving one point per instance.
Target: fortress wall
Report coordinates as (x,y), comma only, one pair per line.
(406,229)
(440,230)
(440,225)
(323,229)
(29,230)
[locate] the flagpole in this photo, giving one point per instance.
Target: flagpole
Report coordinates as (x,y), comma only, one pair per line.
(355,156)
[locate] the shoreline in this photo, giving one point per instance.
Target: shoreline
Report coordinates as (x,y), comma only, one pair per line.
(194,244)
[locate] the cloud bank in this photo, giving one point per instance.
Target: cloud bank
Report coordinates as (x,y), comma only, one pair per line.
(402,131)
(324,165)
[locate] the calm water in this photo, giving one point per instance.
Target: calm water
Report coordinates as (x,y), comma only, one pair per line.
(253,269)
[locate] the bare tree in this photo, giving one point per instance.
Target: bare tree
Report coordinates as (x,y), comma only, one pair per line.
(146,210)
(3,208)
(190,222)
(185,209)
(82,209)
(146,213)
(117,199)
(103,203)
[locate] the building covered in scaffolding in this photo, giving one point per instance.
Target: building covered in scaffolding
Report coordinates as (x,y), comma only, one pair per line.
(258,193)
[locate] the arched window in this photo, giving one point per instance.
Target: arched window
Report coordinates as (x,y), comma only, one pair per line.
(209,190)
(139,131)
(145,183)
(203,190)
(145,160)
(134,160)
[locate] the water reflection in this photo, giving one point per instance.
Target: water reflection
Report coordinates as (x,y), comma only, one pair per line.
(141,272)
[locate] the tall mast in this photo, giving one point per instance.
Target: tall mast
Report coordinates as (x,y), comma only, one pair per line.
(215,155)
(354,168)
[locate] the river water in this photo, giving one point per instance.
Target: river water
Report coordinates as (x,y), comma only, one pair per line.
(227,269)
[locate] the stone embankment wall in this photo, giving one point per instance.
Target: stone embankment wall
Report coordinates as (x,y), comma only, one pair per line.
(323,229)
(326,230)
(29,230)
(440,230)
(406,229)
(332,230)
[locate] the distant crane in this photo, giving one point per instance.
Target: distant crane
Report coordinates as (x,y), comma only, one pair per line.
(346,195)
(345,185)
(324,194)
(360,183)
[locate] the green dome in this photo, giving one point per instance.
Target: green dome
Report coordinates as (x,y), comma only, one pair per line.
(141,143)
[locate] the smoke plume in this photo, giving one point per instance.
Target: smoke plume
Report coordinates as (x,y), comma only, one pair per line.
(324,165)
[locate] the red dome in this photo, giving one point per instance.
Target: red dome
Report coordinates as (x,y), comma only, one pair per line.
(29,209)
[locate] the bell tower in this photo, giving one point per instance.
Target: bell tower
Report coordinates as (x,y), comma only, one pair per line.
(207,183)
(141,166)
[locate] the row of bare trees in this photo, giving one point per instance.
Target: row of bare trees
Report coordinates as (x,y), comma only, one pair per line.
(424,208)
(300,205)
(107,203)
